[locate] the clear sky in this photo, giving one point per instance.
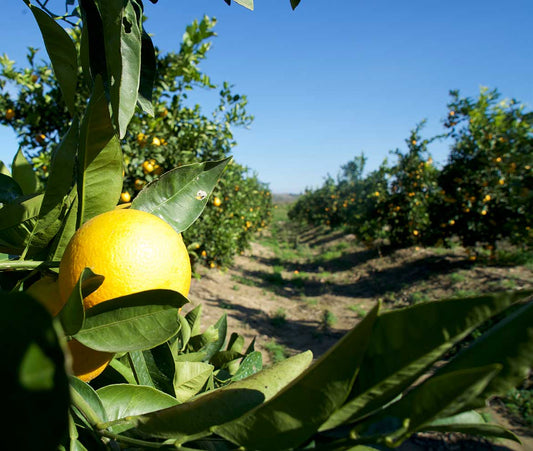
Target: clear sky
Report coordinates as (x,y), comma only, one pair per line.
(335,78)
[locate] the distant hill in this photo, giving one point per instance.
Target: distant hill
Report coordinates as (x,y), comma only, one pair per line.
(284,198)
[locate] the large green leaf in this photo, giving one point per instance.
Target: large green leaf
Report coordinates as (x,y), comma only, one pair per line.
(436,396)
(24,174)
(33,375)
(296,412)
(122,28)
(180,195)
(59,194)
(9,189)
(224,404)
(134,322)
(100,159)
(17,221)
(62,53)
(123,400)
(470,423)
(148,74)
(405,342)
(509,344)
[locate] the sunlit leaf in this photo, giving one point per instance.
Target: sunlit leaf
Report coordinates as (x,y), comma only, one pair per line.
(180,195)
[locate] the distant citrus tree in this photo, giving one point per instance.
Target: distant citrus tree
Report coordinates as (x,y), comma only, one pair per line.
(487,183)
(172,133)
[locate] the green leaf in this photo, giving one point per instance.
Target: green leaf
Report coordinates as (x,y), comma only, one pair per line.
(62,53)
(33,375)
(9,189)
(72,315)
(435,397)
(246,3)
(59,194)
(160,364)
(224,404)
(130,323)
(510,344)
(190,378)
(222,358)
(24,174)
(86,398)
(251,364)
(296,412)
(124,400)
(295,3)
(4,169)
(17,221)
(407,341)
(180,195)
(122,28)
(479,429)
(100,159)
(212,340)
(148,74)
(194,318)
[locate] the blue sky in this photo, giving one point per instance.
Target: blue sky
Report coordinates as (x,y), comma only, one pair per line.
(335,78)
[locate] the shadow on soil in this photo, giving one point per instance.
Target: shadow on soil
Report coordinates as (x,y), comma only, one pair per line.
(370,283)
(298,335)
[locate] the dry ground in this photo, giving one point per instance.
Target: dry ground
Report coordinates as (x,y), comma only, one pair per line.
(311,298)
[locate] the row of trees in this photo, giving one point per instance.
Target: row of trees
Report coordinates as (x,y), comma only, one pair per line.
(174,133)
(483,194)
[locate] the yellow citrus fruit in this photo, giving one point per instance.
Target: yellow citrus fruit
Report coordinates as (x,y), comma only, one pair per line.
(46,291)
(86,363)
(125,197)
(156,141)
(132,249)
(148,167)
(217,202)
(10,114)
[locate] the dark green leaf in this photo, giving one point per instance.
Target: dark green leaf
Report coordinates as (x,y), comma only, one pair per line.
(62,53)
(194,318)
(180,195)
(83,393)
(100,159)
(33,374)
(72,315)
(509,344)
(296,412)
(295,3)
(222,358)
(435,397)
(9,189)
(24,174)
(224,404)
(135,322)
(407,341)
(122,28)
(148,74)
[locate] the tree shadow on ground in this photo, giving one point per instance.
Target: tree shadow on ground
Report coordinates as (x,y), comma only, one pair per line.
(371,283)
(299,335)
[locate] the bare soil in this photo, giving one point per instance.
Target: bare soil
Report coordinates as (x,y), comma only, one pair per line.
(309,301)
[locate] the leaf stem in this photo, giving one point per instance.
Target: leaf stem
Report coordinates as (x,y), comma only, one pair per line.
(23,265)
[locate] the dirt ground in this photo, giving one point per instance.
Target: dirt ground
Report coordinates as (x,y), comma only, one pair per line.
(310,302)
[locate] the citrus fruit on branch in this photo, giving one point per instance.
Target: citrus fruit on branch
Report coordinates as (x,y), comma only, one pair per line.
(134,250)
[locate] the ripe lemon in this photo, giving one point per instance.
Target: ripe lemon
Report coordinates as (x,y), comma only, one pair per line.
(132,249)
(86,363)
(217,202)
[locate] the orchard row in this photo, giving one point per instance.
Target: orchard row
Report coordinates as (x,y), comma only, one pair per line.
(482,195)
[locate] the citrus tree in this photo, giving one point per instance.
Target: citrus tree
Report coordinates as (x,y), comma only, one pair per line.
(171,133)
(164,380)
(488,180)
